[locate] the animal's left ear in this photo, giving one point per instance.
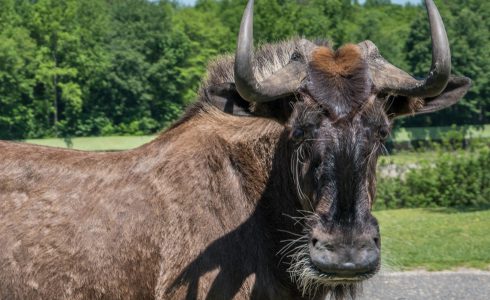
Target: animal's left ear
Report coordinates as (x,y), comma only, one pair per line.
(226,98)
(454,91)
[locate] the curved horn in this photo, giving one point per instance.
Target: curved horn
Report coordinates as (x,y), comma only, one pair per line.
(282,83)
(388,78)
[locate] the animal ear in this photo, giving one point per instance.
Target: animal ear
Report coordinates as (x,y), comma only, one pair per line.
(225,97)
(454,91)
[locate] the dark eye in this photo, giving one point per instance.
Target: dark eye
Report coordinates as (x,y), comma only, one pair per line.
(297,134)
(383,133)
(296,56)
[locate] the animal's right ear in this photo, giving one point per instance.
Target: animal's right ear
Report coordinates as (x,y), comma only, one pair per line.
(225,97)
(455,90)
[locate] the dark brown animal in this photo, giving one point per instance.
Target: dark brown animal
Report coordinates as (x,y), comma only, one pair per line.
(263,190)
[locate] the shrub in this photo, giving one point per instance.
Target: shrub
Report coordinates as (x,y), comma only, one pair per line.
(455,179)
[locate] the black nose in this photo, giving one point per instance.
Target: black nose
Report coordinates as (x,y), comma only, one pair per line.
(345,259)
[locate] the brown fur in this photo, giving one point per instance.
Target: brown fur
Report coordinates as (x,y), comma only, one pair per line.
(339,80)
(201,212)
(192,215)
(78,225)
(342,62)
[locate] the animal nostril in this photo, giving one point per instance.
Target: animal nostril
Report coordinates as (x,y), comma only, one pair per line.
(314,242)
(348,265)
(376,241)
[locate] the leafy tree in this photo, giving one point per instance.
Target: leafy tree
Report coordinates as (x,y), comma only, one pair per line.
(207,37)
(17,50)
(371,3)
(142,85)
(466,26)
(389,34)
(97,67)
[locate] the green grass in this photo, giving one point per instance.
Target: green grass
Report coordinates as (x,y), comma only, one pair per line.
(408,157)
(436,133)
(401,135)
(108,143)
(417,157)
(435,239)
(117,143)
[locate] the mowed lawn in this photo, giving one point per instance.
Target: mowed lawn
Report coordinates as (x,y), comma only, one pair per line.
(435,239)
(118,143)
(107,143)
(399,136)
(435,133)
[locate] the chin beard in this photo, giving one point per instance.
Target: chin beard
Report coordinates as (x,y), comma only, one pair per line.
(314,284)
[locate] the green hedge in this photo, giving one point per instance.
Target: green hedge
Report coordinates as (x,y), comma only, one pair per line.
(453,179)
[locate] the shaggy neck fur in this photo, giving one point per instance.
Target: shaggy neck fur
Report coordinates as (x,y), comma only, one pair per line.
(261,155)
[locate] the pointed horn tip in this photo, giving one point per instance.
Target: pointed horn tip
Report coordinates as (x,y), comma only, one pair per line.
(439,74)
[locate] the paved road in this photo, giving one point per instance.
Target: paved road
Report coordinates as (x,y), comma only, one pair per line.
(420,285)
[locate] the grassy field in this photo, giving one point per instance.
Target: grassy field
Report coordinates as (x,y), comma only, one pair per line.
(416,157)
(407,157)
(435,239)
(117,143)
(401,135)
(436,133)
(107,143)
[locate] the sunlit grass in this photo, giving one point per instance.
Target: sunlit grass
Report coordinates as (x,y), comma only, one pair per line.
(407,157)
(400,135)
(118,143)
(436,133)
(107,143)
(435,239)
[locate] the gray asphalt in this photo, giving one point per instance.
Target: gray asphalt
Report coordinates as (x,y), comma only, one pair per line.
(417,285)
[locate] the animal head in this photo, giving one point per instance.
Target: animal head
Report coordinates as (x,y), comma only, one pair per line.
(337,107)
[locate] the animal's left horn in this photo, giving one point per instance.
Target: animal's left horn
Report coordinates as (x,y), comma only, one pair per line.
(280,84)
(390,79)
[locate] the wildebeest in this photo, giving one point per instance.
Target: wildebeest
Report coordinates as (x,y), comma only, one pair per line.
(263,189)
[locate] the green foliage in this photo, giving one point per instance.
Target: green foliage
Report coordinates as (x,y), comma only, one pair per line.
(467,26)
(204,34)
(453,179)
(76,68)
(80,68)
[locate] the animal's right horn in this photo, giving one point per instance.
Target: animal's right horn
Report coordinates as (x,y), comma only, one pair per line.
(280,84)
(390,79)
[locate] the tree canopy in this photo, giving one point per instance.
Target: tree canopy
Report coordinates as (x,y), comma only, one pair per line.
(99,67)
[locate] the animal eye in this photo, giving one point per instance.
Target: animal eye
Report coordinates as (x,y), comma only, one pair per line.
(298,134)
(383,133)
(296,56)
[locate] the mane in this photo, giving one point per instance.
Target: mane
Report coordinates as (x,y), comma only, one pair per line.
(267,59)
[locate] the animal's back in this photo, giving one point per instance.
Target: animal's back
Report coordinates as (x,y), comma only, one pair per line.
(66,227)
(77,224)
